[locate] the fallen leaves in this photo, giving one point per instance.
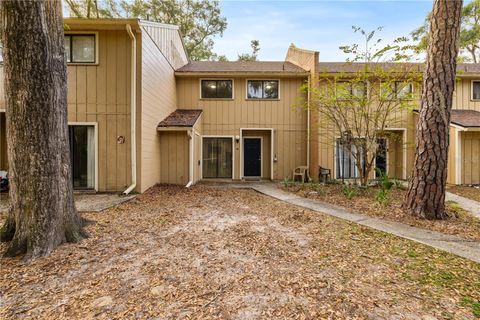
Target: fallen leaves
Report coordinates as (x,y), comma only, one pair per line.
(210,253)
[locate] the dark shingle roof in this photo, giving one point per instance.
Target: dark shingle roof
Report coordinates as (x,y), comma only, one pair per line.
(463,118)
(466,118)
(346,67)
(242,66)
(180,118)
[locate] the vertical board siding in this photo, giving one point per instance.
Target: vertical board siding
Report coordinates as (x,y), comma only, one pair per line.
(227,117)
(98,93)
(462,96)
(470,157)
(158,101)
(174,157)
(168,41)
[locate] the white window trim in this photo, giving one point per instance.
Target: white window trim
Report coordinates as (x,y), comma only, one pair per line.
(471,90)
(233,154)
(412,84)
(94,33)
(216,79)
(261,99)
(95,125)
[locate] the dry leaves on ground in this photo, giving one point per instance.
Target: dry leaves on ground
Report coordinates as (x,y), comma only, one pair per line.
(460,223)
(214,253)
(469,192)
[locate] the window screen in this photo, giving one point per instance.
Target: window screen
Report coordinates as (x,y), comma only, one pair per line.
(217,89)
(80,48)
(262,89)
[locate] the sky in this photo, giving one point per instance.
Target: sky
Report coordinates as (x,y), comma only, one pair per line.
(316,25)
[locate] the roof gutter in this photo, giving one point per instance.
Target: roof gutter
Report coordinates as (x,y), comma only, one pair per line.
(133,111)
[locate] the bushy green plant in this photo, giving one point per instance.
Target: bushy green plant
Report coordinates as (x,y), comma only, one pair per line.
(287,182)
(386,184)
(349,191)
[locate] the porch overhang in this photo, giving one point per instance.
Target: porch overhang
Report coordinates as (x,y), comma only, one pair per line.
(180,120)
(463,119)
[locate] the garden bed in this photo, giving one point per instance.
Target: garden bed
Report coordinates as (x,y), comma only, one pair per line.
(367,201)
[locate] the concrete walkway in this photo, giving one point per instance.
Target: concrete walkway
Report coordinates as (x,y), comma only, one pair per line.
(471,206)
(464,248)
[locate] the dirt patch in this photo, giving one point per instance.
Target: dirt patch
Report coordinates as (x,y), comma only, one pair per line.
(459,223)
(209,253)
(469,192)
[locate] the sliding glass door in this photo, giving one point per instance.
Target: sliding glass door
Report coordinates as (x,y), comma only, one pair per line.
(217,158)
(82,155)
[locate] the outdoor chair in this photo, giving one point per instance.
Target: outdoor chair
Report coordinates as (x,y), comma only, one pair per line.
(324,174)
(301,172)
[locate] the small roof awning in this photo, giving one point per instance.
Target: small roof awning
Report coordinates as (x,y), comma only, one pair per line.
(180,119)
(466,119)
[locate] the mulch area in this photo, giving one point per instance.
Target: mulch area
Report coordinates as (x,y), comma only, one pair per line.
(215,253)
(469,192)
(459,223)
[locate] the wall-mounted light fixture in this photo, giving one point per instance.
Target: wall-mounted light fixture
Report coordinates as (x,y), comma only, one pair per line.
(237,139)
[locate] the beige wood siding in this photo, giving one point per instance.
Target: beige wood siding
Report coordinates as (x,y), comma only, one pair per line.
(452,161)
(174,157)
(158,101)
(470,157)
(168,41)
(101,93)
(462,96)
(227,117)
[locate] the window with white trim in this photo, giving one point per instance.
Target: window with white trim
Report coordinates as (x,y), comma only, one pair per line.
(476,90)
(217,89)
(262,89)
(347,157)
(80,48)
(348,90)
(398,90)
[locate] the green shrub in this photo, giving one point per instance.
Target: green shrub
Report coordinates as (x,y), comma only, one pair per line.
(287,182)
(386,184)
(349,191)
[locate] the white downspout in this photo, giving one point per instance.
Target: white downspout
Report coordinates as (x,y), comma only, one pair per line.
(191,135)
(133,111)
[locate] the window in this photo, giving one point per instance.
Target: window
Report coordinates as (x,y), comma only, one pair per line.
(217,158)
(475,90)
(80,48)
(398,90)
(347,161)
(347,90)
(262,89)
(217,89)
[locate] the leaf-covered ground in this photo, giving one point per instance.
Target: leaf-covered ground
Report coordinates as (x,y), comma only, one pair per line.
(469,192)
(460,222)
(214,253)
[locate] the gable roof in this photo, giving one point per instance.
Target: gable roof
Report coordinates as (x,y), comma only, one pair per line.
(463,118)
(466,118)
(241,67)
(180,118)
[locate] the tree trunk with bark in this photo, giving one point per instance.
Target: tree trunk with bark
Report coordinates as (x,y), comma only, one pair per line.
(42,213)
(426,193)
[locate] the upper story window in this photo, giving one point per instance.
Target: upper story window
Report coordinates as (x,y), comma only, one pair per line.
(346,90)
(217,89)
(262,89)
(80,48)
(476,90)
(399,90)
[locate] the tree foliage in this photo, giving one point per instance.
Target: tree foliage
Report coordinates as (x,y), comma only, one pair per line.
(199,20)
(357,108)
(469,33)
(255,45)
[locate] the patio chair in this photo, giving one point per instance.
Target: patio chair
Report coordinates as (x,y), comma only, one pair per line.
(301,172)
(324,174)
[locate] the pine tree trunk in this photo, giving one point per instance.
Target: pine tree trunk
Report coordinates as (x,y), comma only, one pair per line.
(426,193)
(43,213)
